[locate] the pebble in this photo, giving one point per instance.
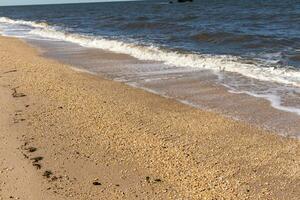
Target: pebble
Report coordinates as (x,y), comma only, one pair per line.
(37,159)
(47,174)
(32,149)
(38,166)
(148,179)
(96,183)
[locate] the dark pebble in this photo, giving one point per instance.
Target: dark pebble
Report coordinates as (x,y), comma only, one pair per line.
(47,174)
(32,149)
(96,183)
(38,166)
(148,179)
(25,156)
(37,159)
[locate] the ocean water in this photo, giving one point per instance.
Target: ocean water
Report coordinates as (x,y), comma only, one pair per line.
(249,47)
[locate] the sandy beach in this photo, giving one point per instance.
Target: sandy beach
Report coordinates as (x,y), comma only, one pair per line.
(72,135)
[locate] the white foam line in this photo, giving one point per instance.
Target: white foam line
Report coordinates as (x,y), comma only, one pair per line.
(203,61)
(82,70)
(22,22)
(275,100)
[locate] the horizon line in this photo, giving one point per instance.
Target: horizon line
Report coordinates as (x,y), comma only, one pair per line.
(45,4)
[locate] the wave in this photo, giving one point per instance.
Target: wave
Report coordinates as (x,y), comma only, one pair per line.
(26,23)
(216,63)
(248,41)
(142,18)
(205,61)
(218,37)
(145,25)
(295,57)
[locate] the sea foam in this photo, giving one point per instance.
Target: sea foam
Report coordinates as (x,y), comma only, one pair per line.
(235,64)
(22,22)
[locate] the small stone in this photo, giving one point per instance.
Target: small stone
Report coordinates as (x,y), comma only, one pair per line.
(96,183)
(38,166)
(32,149)
(25,156)
(37,159)
(148,179)
(47,174)
(157,180)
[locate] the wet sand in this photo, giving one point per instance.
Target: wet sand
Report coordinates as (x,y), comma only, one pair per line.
(197,87)
(72,135)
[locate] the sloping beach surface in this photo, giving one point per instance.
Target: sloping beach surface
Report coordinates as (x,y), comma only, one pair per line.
(71,135)
(242,54)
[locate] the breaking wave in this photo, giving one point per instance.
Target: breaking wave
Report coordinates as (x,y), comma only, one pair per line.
(22,22)
(261,71)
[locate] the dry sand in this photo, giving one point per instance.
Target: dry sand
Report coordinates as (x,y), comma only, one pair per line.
(70,135)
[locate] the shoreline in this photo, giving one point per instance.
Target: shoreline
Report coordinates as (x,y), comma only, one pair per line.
(200,89)
(103,139)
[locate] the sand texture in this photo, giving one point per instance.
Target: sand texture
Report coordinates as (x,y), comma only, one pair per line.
(69,135)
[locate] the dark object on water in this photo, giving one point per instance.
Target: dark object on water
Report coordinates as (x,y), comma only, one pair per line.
(182,1)
(170,1)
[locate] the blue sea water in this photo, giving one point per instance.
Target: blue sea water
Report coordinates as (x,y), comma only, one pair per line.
(259,41)
(261,30)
